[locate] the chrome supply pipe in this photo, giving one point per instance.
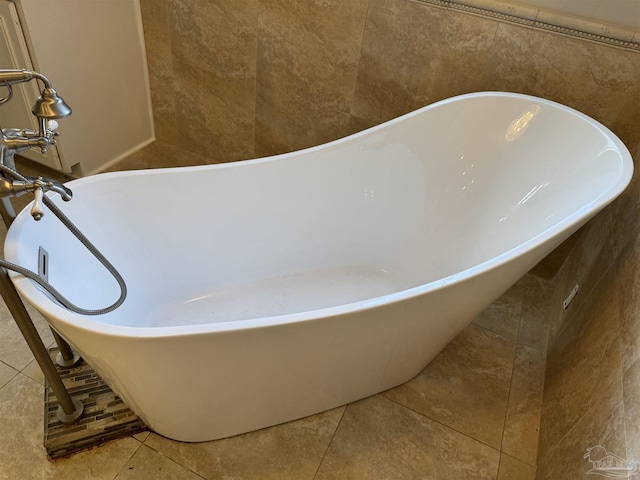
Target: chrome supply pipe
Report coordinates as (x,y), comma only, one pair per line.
(48,106)
(69,409)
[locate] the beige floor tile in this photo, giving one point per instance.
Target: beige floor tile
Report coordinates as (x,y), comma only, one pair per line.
(142,436)
(522,424)
(289,451)
(6,373)
(147,464)
(466,387)
(503,315)
(14,350)
(513,469)
(22,455)
(34,372)
(379,439)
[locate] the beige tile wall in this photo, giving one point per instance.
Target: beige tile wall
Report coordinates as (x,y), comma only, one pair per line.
(234,79)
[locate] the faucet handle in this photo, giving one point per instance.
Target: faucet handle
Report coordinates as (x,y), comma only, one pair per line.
(37,211)
(52,128)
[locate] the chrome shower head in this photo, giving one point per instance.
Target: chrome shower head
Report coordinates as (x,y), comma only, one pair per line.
(50,105)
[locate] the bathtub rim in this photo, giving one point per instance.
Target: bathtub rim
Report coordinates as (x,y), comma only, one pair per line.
(570,224)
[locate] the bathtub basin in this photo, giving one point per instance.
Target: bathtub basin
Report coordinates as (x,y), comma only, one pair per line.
(267,290)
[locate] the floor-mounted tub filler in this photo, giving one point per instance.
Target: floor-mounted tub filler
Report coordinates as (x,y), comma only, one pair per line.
(267,290)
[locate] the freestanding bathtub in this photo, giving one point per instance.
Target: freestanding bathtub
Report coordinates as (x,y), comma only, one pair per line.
(267,290)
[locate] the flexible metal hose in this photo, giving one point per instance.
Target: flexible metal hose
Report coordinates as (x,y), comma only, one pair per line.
(88,245)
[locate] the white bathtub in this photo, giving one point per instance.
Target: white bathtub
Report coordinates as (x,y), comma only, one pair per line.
(267,290)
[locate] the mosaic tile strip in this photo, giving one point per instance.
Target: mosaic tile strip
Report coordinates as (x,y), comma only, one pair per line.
(589,32)
(105,416)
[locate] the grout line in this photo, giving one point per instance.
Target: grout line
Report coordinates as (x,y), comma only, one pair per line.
(34,379)
(621,369)
(513,366)
(127,461)
(17,372)
(11,366)
(513,369)
(324,455)
(449,427)
(354,93)
(142,444)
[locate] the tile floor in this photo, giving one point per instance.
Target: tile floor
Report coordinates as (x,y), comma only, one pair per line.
(473,413)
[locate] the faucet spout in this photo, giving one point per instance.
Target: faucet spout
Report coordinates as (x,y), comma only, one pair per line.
(16,188)
(60,189)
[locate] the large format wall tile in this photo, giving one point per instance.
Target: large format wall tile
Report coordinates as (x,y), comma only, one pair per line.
(602,426)
(161,155)
(289,124)
(626,208)
(592,78)
(307,67)
(414,54)
(591,256)
(214,48)
(220,125)
(157,39)
(628,280)
(163,97)
(584,364)
(631,392)
(310,49)
(219,36)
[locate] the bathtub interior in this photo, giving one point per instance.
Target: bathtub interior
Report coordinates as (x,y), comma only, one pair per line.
(410,203)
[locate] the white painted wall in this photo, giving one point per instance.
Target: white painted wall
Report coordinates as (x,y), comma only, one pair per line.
(93,53)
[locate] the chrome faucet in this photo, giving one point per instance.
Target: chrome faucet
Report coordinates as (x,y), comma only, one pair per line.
(48,107)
